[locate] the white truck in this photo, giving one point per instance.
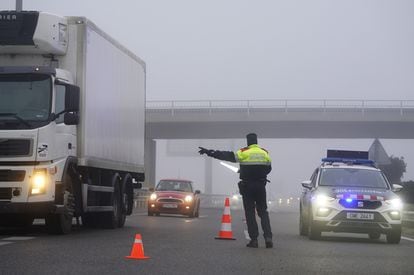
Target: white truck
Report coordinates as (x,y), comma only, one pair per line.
(72,121)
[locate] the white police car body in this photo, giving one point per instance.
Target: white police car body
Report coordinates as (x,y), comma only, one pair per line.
(347,193)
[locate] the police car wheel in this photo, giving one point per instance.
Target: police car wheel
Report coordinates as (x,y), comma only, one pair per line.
(303,226)
(374,235)
(394,237)
(314,232)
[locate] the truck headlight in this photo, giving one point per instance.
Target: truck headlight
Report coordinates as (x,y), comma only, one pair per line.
(396,204)
(188,198)
(153,197)
(38,182)
(323,200)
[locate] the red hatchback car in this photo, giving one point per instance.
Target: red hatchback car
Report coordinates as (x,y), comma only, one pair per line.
(174,196)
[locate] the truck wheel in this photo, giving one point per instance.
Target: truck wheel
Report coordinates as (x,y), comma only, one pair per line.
(303,225)
(394,237)
(62,223)
(111,219)
(126,199)
(314,232)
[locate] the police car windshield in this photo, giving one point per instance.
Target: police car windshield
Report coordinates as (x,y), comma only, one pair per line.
(165,185)
(352,177)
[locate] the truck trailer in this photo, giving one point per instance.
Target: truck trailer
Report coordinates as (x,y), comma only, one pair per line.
(72,122)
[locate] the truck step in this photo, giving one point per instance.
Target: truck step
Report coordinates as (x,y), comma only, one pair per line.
(98,188)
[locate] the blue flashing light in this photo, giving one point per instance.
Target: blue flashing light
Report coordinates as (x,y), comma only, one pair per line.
(348,200)
(350,161)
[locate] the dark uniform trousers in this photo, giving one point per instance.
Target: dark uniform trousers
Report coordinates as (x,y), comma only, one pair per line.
(254,198)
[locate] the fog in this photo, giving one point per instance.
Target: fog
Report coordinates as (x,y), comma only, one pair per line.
(270,49)
(293,160)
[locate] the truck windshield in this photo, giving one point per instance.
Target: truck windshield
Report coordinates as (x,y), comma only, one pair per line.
(352,177)
(24,99)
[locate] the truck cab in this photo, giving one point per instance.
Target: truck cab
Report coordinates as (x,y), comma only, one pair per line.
(47,167)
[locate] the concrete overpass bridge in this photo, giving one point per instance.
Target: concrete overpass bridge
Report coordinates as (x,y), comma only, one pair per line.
(230,119)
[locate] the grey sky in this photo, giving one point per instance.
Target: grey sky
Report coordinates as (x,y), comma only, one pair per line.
(240,49)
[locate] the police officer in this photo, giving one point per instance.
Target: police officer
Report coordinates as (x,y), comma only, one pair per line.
(255,164)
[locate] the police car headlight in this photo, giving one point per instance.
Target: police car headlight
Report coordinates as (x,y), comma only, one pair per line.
(395,203)
(322,200)
(153,197)
(188,198)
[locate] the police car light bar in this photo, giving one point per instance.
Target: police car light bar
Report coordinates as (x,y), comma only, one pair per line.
(350,161)
(347,154)
(351,157)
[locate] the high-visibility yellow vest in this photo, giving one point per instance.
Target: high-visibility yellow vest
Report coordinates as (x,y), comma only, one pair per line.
(253,155)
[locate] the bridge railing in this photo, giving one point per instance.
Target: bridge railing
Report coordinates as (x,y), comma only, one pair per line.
(322,104)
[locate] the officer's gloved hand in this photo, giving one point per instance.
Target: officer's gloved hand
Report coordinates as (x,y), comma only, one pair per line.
(203,151)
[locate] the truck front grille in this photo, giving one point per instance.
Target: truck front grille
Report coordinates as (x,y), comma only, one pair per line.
(15,147)
(5,193)
(12,175)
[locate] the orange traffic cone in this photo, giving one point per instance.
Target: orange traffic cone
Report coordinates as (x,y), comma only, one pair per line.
(225,230)
(137,251)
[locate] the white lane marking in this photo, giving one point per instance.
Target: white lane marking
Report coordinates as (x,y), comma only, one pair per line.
(3,243)
(18,238)
(246,235)
(408,239)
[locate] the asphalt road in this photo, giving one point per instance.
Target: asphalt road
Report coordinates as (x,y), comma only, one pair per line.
(179,245)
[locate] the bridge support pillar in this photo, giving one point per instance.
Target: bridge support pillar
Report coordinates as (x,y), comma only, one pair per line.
(150,162)
(208,164)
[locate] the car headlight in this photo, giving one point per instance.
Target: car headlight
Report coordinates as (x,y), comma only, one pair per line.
(395,203)
(235,197)
(153,197)
(188,198)
(38,182)
(322,199)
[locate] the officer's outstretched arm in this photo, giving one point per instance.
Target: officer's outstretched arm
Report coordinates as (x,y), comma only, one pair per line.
(224,155)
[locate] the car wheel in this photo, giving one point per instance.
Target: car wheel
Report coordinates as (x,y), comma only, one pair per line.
(157,214)
(150,213)
(314,232)
(303,226)
(394,236)
(374,235)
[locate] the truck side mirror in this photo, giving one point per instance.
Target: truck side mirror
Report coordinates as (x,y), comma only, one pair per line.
(71,119)
(72,96)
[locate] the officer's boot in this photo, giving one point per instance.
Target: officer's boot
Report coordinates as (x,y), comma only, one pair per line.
(253,244)
(268,242)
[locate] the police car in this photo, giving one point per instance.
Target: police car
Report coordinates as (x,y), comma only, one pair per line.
(347,193)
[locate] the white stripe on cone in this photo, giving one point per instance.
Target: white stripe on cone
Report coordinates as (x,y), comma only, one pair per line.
(225,227)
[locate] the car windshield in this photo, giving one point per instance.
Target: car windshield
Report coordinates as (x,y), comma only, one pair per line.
(167,185)
(25,97)
(352,177)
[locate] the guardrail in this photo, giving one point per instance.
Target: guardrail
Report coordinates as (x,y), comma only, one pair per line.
(285,104)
